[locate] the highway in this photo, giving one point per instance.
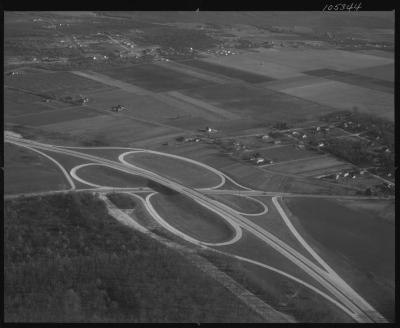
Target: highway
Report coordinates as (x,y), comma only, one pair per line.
(361,310)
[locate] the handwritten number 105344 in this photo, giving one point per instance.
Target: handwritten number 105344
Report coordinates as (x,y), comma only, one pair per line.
(342,7)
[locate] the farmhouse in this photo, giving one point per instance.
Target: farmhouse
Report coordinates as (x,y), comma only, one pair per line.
(118,108)
(211,130)
(260,160)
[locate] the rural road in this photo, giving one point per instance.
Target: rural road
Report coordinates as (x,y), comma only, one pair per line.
(360,310)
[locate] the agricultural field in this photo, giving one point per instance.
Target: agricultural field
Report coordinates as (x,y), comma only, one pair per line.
(293,82)
(364,81)
(286,153)
(28,171)
(176,169)
(54,117)
(17,103)
(121,130)
(156,78)
(158,108)
(191,218)
(357,238)
(311,166)
(382,72)
(229,71)
(367,100)
(295,61)
(267,105)
(54,84)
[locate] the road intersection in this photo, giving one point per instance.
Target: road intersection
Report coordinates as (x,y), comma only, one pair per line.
(340,293)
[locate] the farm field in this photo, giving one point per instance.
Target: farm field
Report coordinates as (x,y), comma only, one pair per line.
(367,100)
(13,110)
(247,62)
(229,71)
(267,105)
(286,153)
(108,177)
(17,103)
(381,209)
(307,166)
(120,130)
(300,60)
(191,218)
(364,81)
(296,81)
(383,72)
(28,171)
(361,240)
(175,169)
(155,78)
(194,71)
(54,84)
(61,116)
(143,107)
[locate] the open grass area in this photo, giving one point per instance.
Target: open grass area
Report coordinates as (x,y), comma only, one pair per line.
(156,78)
(283,294)
(191,218)
(240,204)
(106,176)
(67,260)
(175,169)
(358,245)
(122,201)
(26,171)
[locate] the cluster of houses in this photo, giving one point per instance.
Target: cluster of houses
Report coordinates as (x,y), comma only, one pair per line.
(14,73)
(192,139)
(259,160)
(351,174)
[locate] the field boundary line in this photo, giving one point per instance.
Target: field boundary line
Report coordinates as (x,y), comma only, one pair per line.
(296,160)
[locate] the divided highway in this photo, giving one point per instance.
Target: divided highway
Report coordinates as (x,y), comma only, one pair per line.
(361,310)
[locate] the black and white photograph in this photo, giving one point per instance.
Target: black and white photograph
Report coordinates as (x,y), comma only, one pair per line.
(199,166)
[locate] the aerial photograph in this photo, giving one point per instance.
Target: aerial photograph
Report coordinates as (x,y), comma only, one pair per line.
(199,166)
